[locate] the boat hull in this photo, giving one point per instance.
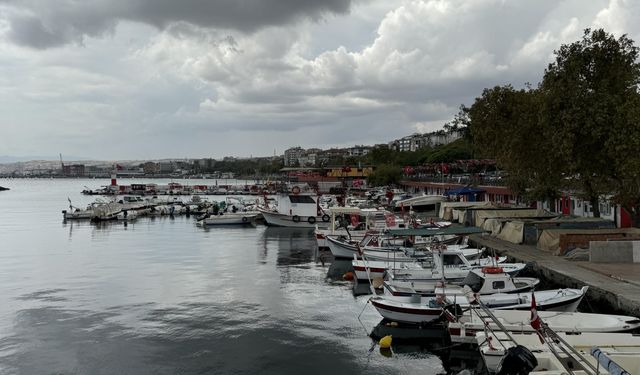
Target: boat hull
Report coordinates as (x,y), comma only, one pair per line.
(279,220)
(405,313)
(519,321)
(230,219)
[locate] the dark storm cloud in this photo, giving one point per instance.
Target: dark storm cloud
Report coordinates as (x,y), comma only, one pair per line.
(44,23)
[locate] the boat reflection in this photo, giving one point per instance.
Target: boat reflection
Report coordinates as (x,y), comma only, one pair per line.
(294,245)
(432,339)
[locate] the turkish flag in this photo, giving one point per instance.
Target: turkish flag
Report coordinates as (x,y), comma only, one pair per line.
(535,321)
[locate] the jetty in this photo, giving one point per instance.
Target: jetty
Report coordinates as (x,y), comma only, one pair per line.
(616,285)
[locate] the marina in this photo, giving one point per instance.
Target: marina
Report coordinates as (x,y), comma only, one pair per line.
(286,264)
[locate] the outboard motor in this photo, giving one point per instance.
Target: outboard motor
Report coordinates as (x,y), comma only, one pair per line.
(517,361)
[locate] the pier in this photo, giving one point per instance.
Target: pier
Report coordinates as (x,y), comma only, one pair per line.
(615,285)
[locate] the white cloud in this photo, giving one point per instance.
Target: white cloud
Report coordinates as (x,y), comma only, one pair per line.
(380,70)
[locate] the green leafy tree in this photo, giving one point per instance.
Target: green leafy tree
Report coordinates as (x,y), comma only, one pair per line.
(505,125)
(589,100)
(385,174)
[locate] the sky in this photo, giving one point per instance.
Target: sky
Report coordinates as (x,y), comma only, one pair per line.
(151,79)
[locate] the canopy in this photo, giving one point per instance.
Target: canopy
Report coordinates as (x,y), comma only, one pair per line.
(464,191)
(345,210)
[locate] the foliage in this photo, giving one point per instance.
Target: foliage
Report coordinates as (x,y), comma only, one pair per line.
(385,174)
(245,167)
(504,122)
(589,95)
(580,129)
(460,149)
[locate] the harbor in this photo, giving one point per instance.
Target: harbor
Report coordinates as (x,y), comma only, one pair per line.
(288,263)
(613,287)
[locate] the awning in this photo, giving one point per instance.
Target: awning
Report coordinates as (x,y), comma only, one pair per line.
(463,191)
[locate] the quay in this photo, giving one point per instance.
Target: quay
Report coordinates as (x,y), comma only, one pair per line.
(614,285)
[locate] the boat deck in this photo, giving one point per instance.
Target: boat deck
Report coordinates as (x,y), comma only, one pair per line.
(617,285)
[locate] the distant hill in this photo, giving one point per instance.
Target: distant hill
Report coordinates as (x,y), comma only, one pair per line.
(15,159)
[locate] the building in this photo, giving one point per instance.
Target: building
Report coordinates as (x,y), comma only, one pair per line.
(417,141)
(73,170)
(291,156)
(358,150)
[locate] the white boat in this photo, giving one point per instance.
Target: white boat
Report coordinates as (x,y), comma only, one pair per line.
(298,210)
(367,219)
(238,218)
(377,246)
(491,284)
(418,309)
(418,203)
(426,310)
(77,213)
(407,254)
(623,347)
(456,267)
(127,215)
(464,329)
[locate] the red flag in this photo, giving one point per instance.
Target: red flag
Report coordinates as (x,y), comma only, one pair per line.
(535,321)
(355,220)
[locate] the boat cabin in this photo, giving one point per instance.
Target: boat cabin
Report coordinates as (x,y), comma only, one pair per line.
(303,205)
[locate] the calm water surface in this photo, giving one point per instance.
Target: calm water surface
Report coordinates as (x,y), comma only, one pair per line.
(164,296)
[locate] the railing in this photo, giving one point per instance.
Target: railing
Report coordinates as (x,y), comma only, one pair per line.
(463,180)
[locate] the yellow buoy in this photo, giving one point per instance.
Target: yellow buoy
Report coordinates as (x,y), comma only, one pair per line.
(385,342)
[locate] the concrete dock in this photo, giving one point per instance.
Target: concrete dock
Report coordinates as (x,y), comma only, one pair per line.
(613,287)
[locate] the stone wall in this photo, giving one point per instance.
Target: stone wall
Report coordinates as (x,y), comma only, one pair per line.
(614,252)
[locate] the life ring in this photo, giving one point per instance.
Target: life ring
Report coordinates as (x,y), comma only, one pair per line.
(325,218)
(244,219)
(311,220)
(295,218)
(492,270)
(295,190)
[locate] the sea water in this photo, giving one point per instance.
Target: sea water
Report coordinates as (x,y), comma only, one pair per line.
(165,296)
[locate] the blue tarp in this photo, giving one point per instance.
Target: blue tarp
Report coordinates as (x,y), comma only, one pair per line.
(463,191)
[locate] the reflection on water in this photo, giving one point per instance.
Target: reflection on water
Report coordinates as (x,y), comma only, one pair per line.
(294,245)
(164,296)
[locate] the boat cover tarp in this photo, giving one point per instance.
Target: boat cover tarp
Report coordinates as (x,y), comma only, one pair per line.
(482,215)
(550,238)
(512,231)
(493,225)
(447,208)
(435,232)
(344,210)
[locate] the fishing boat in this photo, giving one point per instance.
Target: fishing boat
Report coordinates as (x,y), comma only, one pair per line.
(77,213)
(419,203)
(491,284)
(229,218)
(418,309)
(295,209)
(561,352)
(464,328)
(452,263)
(395,244)
(355,223)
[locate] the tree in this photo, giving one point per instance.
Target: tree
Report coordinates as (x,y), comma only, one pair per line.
(460,123)
(385,174)
(587,95)
(505,126)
